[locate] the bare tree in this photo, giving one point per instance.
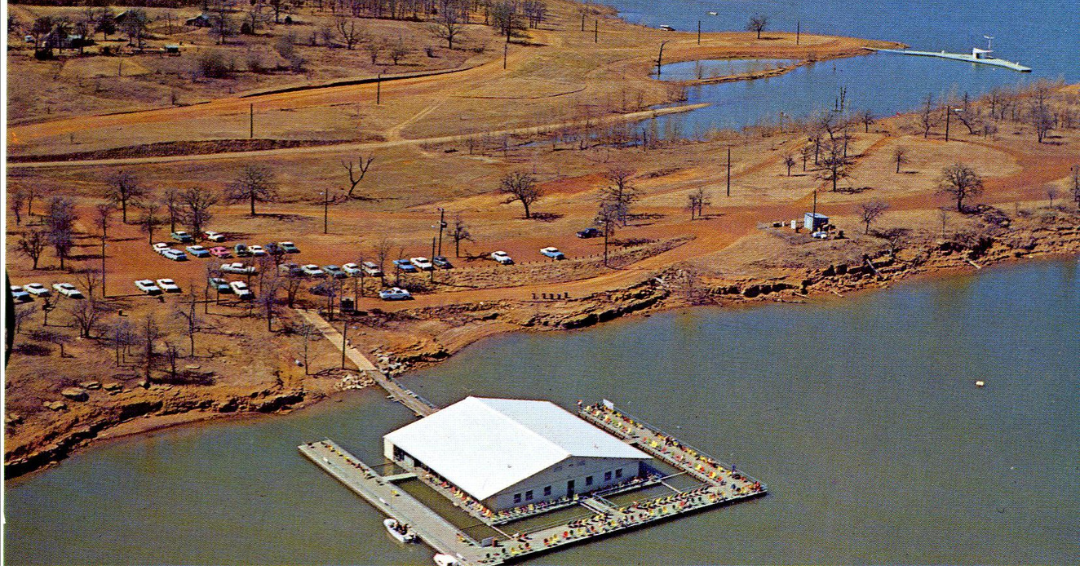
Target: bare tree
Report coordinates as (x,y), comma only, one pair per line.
(867,119)
(267,299)
(621,192)
(349,33)
(450,24)
(960,182)
(835,165)
(256,183)
(60,220)
(398,51)
(943,215)
(607,219)
(697,201)
(460,233)
(1043,119)
(374,47)
(87,315)
(757,23)
(1076,185)
(221,21)
(927,115)
(89,279)
(174,204)
(121,335)
(292,285)
(355,179)
(196,203)
(189,313)
(32,245)
(125,189)
(789,162)
(383,248)
(871,211)
(1052,193)
(307,332)
(22,314)
(172,357)
(900,156)
(17,198)
(149,221)
(149,334)
(521,187)
(50,337)
(135,25)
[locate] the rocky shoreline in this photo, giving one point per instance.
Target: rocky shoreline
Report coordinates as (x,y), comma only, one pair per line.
(138,410)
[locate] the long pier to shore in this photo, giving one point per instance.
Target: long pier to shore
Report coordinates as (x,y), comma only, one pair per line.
(717,484)
(965,57)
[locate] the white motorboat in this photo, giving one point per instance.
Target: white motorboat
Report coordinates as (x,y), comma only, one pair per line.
(446,560)
(399,531)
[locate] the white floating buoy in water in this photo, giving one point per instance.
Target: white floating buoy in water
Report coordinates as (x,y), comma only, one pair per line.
(979,383)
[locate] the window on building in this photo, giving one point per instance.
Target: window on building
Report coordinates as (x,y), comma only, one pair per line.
(607,476)
(618,473)
(557,468)
(528,495)
(547,491)
(588,480)
(517,498)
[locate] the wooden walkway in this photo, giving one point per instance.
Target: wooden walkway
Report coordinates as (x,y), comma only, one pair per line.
(418,405)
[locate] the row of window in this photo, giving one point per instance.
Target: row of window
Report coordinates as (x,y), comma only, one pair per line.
(547,489)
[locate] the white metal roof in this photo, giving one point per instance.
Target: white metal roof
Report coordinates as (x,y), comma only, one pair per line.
(487,445)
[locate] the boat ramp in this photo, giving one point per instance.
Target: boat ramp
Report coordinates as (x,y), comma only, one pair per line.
(977,56)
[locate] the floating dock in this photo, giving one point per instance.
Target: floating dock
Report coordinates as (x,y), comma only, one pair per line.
(717,484)
(965,57)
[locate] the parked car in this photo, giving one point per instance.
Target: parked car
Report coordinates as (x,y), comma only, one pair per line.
(37,289)
(242,291)
(552,252)
(273,249)
(334,271)
(147,286)
(168,285)
(405,265)
(312,270)
(588,233)
(214,236)
(19,295)
(181,236)
(290,269)
(371,269)
(502,257)
(256,250)
(175,255)
(351,269)
(219,285)
(239,268)
(394,294)
(820,235)
(289,247)
(160,247)
(241,250)
(68,290)
(198,251)
(422,263)
(220,251)
(441,262)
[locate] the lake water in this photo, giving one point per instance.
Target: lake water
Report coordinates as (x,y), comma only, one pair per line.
(1040,34)
(861,415)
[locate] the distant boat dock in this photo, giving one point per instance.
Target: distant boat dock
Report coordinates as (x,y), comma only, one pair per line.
(716,484)
(977,56)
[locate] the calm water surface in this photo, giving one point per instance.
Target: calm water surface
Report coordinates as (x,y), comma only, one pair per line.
(861,415)
(1041,34)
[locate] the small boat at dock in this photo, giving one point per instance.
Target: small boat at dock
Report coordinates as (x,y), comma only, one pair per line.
(445,560)
(400,532)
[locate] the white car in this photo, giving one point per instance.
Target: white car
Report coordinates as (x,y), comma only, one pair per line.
(552,252)
(312,270)
(160,247)
(394,294)
(214,236)
(256,250)
(241,290)
(422,263)
(147,286)
(351,269)
(37,289)
(502,257)
(175,255)
(68,290)
(19,295)
(198,251)
(168,285)
(239,268)
(371,269)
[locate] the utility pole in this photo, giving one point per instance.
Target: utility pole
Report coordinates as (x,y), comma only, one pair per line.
(815,206)
(432,279)
(583,20)
(506,50)
(948,114)
(104,294)
(699,32)
(251,121)
(729,171)
(442,225)
(326,212)
(596,32)
(344,342)
(798,31)
(378,89)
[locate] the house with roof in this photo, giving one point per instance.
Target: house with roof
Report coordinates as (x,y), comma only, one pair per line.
(511,452)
